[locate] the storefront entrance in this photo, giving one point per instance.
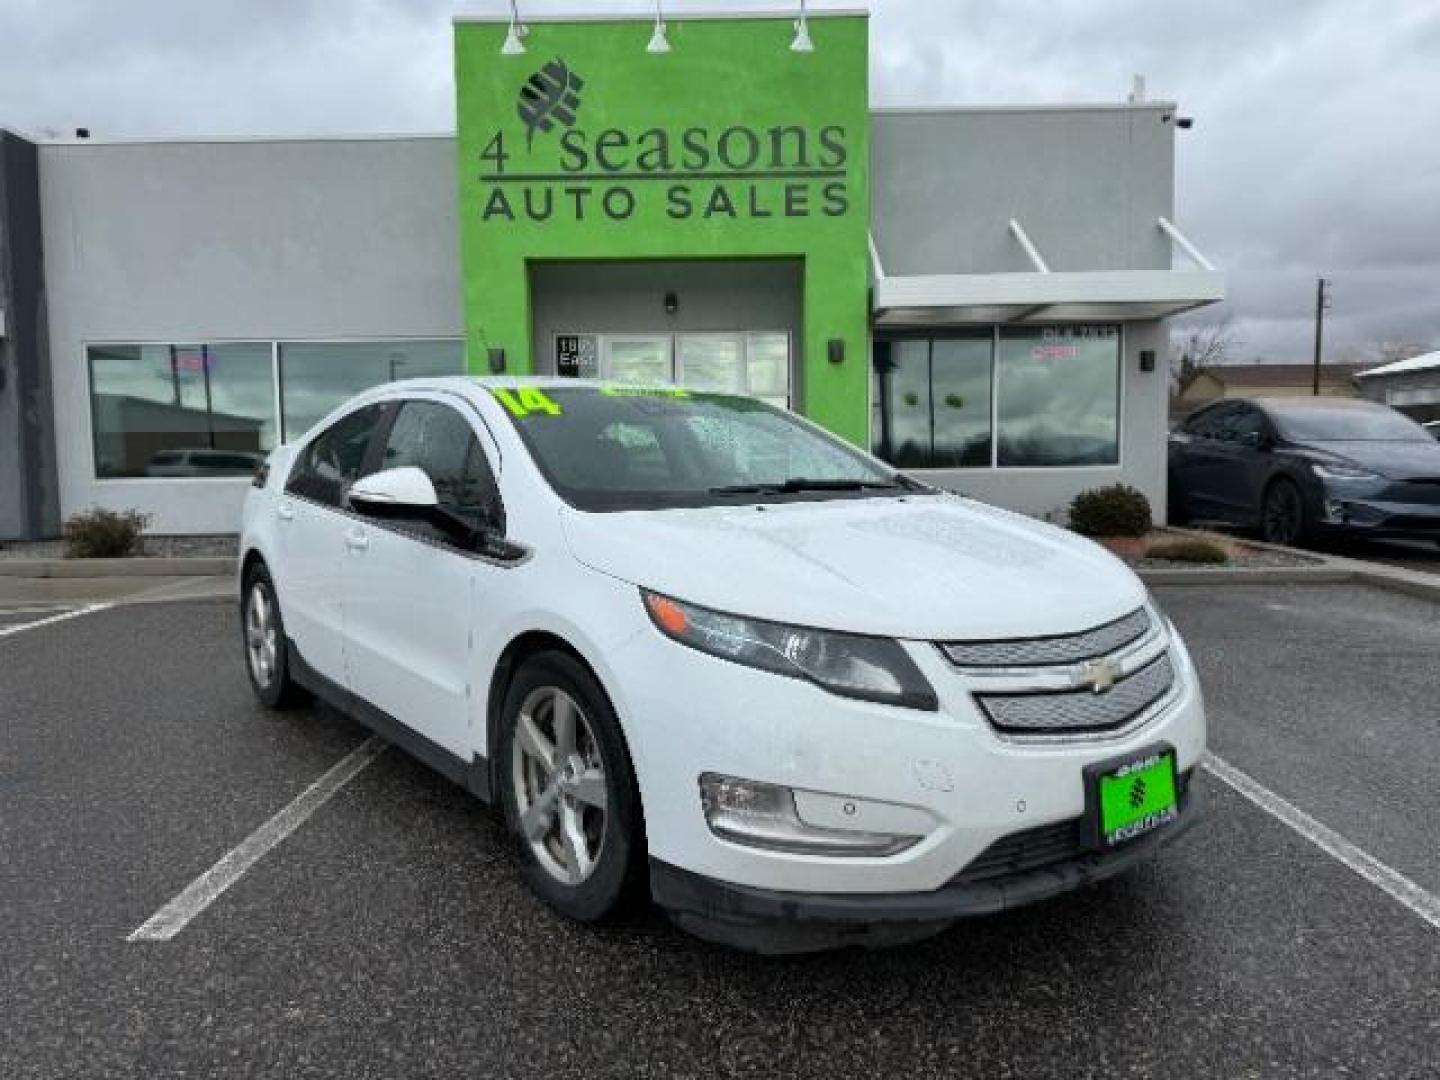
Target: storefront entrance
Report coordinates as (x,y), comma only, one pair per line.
(754,362)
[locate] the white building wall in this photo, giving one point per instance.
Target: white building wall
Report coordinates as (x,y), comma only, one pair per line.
(254,240)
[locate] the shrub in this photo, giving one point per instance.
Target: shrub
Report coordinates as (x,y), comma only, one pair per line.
(103,534)
(1188,549)
(1118,510)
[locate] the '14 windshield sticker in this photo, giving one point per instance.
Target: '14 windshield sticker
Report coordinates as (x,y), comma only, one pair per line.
(526,400)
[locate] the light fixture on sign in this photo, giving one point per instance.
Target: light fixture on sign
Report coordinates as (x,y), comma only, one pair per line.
(514,37)
(802,42)
(659,43)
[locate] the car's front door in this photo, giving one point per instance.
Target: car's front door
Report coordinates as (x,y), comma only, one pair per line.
(1196,458)
(312,526)
(411,586)
(1243,456)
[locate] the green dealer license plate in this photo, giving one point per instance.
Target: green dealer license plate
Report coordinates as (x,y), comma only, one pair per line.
(1130,796)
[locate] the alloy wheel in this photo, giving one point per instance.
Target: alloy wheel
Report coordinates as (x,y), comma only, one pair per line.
(261,638)
(1282,514)
(560,787)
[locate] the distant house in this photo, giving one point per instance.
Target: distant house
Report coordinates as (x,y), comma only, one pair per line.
(1265,380)
(1412,386)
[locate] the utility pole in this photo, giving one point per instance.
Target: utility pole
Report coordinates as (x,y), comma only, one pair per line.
(1322,303)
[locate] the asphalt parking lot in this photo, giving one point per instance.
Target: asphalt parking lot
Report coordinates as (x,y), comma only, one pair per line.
(390,934)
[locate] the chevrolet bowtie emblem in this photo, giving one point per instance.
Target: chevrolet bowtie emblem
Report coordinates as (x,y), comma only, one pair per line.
(1098,675)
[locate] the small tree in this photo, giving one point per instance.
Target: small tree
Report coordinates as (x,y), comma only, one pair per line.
(1196,349)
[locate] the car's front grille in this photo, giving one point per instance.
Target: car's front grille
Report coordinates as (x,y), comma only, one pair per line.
(1046,651)
(1082,710)
(1035,849)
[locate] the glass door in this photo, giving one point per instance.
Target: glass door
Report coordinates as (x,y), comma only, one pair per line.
(637,358)
(714,362)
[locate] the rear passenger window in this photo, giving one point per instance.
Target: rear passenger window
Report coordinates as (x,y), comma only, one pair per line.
(437,439)
(334,460)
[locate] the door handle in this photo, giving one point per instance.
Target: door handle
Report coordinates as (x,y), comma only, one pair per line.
(357,541)
(285,512)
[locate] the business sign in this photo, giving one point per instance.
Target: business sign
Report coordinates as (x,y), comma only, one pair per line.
(700,171)
(730,146)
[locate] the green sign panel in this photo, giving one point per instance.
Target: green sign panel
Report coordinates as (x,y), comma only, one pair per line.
(730,146)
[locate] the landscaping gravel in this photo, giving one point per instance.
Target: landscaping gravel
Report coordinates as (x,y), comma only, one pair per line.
(168,547)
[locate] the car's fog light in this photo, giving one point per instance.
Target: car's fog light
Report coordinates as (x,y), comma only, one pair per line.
(1336,510)
(764,816)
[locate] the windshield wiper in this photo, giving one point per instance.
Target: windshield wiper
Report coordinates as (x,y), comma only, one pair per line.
(802,483)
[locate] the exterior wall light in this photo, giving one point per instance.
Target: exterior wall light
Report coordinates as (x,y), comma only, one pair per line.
(659,43)
(672,303)
(514,37)
(835,350)
(802,42)
(497,360)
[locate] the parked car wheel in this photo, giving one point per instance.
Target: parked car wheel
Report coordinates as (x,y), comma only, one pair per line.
(267,659)
(1282,515)
(568,789)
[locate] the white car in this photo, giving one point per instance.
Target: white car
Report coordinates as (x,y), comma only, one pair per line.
(693,644)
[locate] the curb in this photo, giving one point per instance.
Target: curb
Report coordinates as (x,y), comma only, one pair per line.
(101,568)
(1331,568)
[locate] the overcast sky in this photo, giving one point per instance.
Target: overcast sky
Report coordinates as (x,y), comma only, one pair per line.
(1316,147)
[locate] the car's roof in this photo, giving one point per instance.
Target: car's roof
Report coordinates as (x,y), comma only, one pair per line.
(1287,404)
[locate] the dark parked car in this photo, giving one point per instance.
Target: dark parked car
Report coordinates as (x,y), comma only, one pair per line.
(1293,467)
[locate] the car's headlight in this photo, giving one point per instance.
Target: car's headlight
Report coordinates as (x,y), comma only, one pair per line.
(869,668)
(1339,470)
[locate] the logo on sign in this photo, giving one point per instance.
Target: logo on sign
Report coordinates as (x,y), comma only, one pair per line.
(551,96)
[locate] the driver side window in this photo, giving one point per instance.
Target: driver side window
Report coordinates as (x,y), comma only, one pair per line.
(335,459)
(438,440)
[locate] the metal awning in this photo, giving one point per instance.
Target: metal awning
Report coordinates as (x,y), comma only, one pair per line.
(1043,295)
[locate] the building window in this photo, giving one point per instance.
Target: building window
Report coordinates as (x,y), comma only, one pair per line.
(316,376)
(1044,396)
(181,410)
(932,400)
(1059,396)
(218,409)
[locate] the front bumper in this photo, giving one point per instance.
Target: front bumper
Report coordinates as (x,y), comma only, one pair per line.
(766,920)
(1390,509)
(947,776)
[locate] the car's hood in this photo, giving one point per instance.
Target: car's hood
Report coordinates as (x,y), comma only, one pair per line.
(1396,459)
(925,567)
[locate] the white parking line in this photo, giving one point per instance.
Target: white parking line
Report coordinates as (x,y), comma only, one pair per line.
(1392,882)
(204,890)
(6,631)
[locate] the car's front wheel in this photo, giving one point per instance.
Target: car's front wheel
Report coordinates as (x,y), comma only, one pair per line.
(1282,514)
(267,657)
(568,789)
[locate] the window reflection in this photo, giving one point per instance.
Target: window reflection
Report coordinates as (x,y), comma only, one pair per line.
(1059,396)
(181,410)
(1054,393)
(315,377)
(960,401)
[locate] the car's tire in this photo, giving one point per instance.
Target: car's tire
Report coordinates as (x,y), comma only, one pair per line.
(1283,519)
(577,824)
(267,649)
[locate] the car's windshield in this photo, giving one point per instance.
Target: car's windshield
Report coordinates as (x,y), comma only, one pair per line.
(1315,422)
(629,448)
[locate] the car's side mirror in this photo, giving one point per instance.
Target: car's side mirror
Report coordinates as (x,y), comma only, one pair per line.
(1255,440)
(402,492)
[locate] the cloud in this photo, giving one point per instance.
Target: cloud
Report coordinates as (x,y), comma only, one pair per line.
(1314,150)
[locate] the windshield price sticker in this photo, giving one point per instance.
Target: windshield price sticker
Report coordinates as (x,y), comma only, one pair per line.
(526,400)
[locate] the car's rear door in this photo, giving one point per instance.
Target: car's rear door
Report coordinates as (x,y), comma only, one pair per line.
(410,587)
(312,526)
